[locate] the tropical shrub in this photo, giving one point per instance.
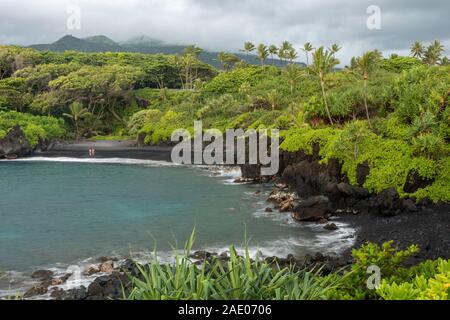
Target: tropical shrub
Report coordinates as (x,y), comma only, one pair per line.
(386,257)
(434,286)
(36,128)
(230,82)
(398,64)
(157,131)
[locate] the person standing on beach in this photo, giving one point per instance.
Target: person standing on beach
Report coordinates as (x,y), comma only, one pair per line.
(90,152)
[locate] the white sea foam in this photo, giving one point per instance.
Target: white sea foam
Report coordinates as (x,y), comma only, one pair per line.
(324,241)
(229,174)
(151,163)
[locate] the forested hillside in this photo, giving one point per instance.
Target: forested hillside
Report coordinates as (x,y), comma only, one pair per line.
(144,45)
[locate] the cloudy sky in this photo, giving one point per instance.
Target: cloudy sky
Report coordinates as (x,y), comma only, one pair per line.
(226,24)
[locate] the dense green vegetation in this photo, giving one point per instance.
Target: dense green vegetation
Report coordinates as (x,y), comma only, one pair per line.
(243,278)
(391,113)
(36,128)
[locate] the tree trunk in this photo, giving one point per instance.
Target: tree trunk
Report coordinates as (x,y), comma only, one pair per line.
(76,128)
(325,100)
(365,102)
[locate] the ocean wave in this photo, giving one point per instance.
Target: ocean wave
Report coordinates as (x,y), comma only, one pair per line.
(324,241)
(229,173)
(126,161)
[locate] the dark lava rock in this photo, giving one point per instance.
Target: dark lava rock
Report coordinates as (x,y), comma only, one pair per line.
(386,203)
(409,205)
(251,172)
(72,294)
(362,171)
(130,267)
(36,291)
(415,182)
(310,178)
(201,255)
(312,209)
(354,192)
(108,287)
(57,293)
(43,275)
(331,227)
(14,143)
(268,210)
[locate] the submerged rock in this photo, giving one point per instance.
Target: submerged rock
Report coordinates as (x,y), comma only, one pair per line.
(331,227)
(43,275)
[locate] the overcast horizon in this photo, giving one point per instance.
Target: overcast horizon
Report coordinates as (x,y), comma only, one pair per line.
(225,25)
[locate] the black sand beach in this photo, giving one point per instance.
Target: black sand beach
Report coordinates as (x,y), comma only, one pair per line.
(106,149)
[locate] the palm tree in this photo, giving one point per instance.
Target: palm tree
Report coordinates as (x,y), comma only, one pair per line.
(417,50)
(227,60)
(248,47)
(263,53)
(293,74)
(77,112)
(284,49)
(434,53)
(292,55)
(273,49)
(273,98)
(365,65)
(192,50)
(323,62)
(335,48)
(307,48)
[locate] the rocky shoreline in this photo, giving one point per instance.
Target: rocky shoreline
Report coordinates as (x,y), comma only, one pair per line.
(114,277)
(315,192)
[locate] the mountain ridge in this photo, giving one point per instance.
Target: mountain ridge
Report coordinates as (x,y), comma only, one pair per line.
(140,44)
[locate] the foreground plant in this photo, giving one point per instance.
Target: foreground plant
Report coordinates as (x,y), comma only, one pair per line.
(429,280)
(434,285)
(239,278)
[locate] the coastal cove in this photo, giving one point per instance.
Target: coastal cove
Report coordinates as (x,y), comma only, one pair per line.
(154,176)
(78,210)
